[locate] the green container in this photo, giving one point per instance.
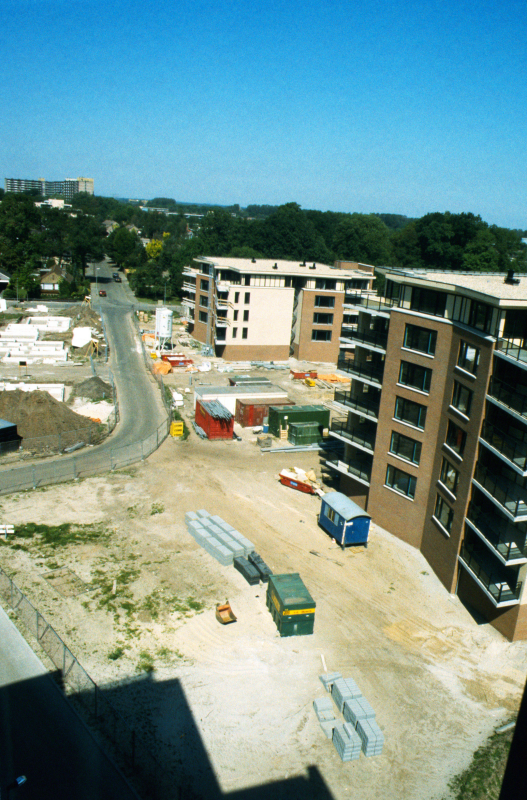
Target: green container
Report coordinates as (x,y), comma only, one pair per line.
(278,414)
(291,605)
(304,432)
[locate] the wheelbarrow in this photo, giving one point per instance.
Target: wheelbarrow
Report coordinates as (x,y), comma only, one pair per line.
(224,613)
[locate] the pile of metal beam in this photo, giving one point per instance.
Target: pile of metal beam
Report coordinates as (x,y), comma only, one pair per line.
(346,741)
(217,537)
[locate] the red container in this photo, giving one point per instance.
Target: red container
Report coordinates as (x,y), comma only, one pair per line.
(250,414)
(300,376)
(177,360)
(214,428)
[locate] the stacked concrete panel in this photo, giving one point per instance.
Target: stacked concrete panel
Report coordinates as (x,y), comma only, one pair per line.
(371,736)
(328,679)
(357,709)
(325,715)
(344,689)
(346,741)
(217,537)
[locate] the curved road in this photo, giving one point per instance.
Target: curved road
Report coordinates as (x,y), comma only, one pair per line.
(141,410)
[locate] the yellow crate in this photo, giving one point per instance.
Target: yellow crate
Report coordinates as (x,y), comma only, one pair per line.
(176,429)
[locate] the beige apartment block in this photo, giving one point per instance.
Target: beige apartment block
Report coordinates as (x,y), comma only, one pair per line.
(434,428)
(269,310)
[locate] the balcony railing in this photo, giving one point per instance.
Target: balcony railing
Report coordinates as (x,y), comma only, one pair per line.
(511,497)
(365,438)
(189,287)
(222,322)
(373,338)
(513,349)
(501,534)
(508,396)
(369,408)
(369,302)
(510,448)
(368,371)
(499,589)
(222,302)
(356,467)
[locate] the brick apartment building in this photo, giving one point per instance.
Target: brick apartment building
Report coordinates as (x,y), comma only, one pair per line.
(435,429)
(68,187)
(262,309)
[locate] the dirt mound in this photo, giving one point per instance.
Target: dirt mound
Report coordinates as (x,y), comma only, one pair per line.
(45,423)
(82,316)
(93,389)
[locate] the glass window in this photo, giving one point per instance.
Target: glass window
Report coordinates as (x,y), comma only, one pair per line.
(322,301)
(234,333)
(417,338)
(428,301)
(236,297)
(449,476)
(203,300)
(246,315)
(443,513)
(204,286)
(415,376)
(235,316)
(324,283)
(203,316)
(401,481)
(456,438)
(410,412)
(462,398)
(468,358)
(322,319)
(244,333)
(330,513)
(406,448)
(320,336)
(247,297)
(480,316)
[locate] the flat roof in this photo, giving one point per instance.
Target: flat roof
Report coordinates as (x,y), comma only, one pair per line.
(489,284)
(265,266)
(253,389)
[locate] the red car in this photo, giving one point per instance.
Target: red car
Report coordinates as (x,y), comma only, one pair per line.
(102,293)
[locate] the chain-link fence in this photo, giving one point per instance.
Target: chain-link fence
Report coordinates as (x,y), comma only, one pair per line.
(154,780)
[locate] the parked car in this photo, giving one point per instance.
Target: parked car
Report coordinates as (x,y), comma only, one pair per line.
(102,293)
(117,278)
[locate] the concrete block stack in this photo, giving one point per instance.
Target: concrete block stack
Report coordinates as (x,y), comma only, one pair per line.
(328,679)
(346,741)
(371,736)
(217,537)
(325,715)
(357,709)
(344,689)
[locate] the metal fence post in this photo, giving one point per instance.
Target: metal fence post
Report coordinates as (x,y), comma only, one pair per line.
(74,468)
(34,474)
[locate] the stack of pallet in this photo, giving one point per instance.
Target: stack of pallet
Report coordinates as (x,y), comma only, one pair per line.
(347,742)
(217,537)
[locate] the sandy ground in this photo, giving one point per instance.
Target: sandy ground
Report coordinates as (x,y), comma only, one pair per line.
(234,704)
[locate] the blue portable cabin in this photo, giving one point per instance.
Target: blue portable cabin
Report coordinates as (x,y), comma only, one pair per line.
(343,519)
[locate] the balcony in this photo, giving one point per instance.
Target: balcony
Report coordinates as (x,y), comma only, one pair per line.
(512,350)
(371,339)
(186,301)
(504,538)
(497,589)
(371,303)
(512,451)
(222,302)
(357,468)
(507,397)
(368,372)
(190,273)
(359,405)
(508,497)
(365,439)
(222,322)
(189,287)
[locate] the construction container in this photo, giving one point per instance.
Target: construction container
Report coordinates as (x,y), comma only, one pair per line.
(281,417)
(215,419)
(291,605)
(298,375)
(9,437)
(248,380)
(344,520)
(304,433)
(250,414)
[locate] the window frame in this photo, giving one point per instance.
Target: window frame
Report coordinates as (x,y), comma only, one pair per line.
(319,298)
(416,448)
(412,370)
(462,361)
(458,391)
(455,430)
(421,412)
(439,508)
(318,335)
(327,321)
(245,333)
(391,471)
(416,330)
(446,466)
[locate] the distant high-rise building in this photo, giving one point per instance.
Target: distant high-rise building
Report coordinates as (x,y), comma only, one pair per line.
(67,188)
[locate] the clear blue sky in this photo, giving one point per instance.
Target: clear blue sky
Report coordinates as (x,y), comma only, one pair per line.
(402,107)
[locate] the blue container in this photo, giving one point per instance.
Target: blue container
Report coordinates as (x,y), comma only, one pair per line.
(344,520)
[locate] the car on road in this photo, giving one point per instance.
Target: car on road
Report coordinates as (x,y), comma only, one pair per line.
(117,277)
(102,293)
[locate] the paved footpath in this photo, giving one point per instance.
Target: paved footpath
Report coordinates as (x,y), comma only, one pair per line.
(43,738)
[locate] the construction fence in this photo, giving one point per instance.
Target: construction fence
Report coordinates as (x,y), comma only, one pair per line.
(153,780)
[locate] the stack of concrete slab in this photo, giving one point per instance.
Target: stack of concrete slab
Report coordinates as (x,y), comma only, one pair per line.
(344,689)
(346,741)
(217,537)
(356,710)
(328,679)
(371,736)
(325,715)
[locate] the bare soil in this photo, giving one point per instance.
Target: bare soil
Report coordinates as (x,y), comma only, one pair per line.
(233,704)
(38,414)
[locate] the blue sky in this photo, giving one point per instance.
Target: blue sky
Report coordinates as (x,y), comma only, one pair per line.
(389,107)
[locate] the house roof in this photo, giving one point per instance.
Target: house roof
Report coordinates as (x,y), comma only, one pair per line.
(58,274)
(273,266)
(344,506)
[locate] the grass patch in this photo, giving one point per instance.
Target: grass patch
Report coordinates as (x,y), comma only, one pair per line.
(161,600)
(115,654)
(483,777)
(60,535)
(146,662)
(157,508)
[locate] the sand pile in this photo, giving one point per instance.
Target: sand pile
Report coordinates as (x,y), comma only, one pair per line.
(93,389)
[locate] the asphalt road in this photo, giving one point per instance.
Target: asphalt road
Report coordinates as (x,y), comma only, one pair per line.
(42,738)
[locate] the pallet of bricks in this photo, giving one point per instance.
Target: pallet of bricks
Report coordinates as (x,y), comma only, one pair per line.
(359,730)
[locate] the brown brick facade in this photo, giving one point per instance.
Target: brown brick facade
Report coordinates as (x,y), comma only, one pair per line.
(305,349)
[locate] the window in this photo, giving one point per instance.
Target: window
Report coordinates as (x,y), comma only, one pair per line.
(247,282)
(204,286)
(320,336)
(428,301)
(456,438)
(410,412)
(204,300)
(247,298)
(400,481)
(234,333)
(449,476)
(324,283)
(322,319)
(415,376)
(244,333)
(203,316)
(235,315)
(406,448)
(322,301)
(236,297)
(421,339)
(462,398)
(246,315)
(443,513)
(468,358)
(329,513)
(480,316)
